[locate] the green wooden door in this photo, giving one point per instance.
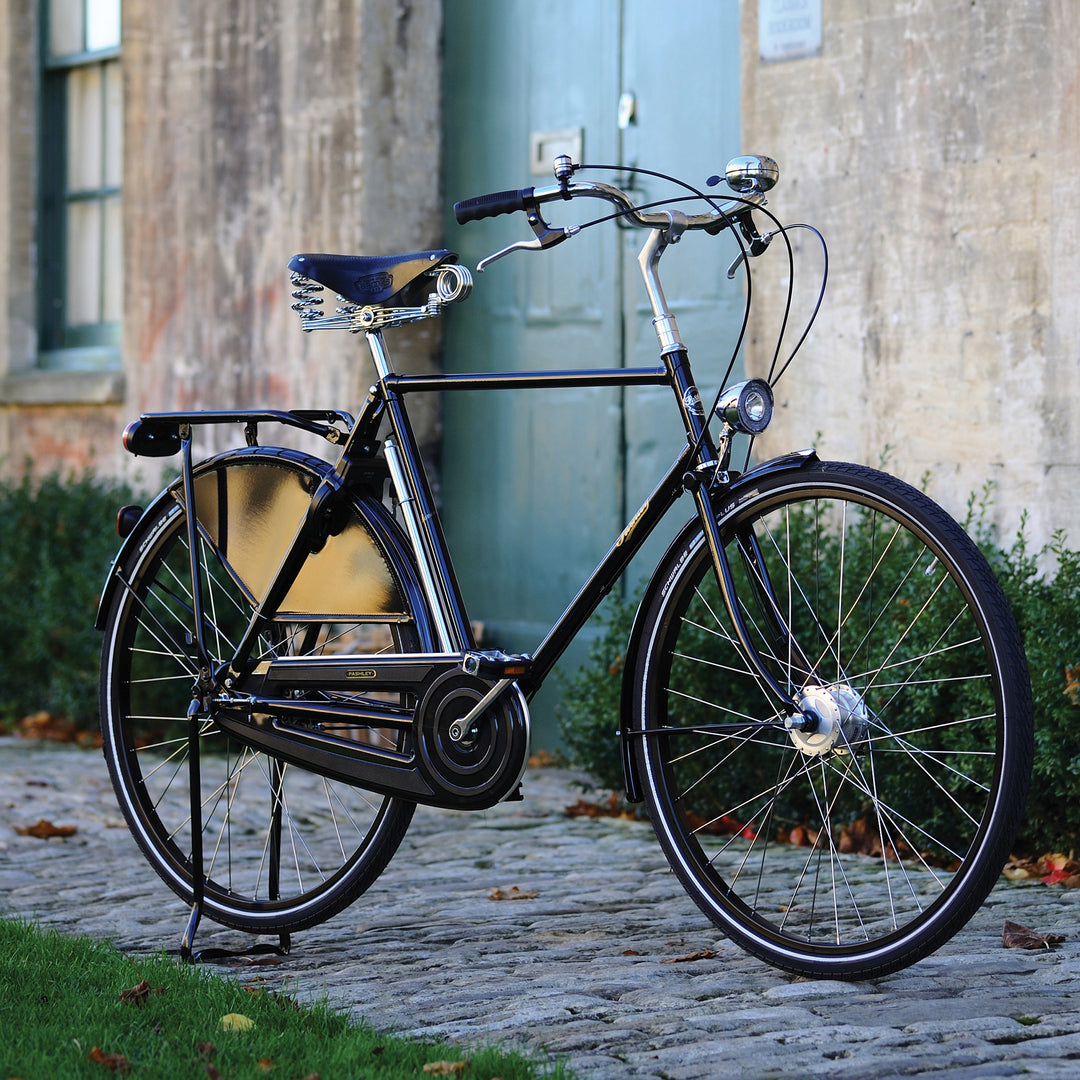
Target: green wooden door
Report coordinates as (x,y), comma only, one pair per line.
(537,484)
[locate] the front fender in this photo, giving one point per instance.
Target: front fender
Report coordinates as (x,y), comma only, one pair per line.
(725,502)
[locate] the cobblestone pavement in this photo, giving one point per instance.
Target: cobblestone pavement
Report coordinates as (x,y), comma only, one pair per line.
(586,969)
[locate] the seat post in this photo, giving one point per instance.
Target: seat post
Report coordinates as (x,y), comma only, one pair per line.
(379,354)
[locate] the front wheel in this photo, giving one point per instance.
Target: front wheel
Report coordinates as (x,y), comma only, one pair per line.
(861,837)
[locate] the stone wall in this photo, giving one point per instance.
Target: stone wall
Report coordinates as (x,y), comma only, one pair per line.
(937,147)
(253,130)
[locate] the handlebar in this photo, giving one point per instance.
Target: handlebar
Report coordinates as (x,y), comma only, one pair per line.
(507,202)
(750,177)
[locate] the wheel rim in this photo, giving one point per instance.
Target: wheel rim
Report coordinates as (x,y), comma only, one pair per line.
(853,840)
(282,847)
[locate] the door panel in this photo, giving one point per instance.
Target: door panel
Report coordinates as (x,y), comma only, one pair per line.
(536,484)
(681,62)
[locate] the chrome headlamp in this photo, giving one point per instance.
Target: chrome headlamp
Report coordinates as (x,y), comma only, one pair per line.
(747,406)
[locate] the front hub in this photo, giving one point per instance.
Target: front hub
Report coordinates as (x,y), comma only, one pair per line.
(834,720)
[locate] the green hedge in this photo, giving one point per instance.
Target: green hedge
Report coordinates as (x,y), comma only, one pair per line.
(1047,610)
(57,539)
(1046,604)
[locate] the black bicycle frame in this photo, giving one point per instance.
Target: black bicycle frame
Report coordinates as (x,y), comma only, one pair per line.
(696,470)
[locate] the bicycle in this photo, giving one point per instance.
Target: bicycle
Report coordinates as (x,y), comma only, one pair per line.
(825,705)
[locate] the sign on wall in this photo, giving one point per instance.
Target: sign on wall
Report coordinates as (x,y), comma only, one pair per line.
(789,29)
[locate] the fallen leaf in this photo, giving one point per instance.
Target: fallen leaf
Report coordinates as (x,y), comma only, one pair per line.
(265,1064)
(236,1022)
(1052,869)
(1072,684)
(611,807)
(269,960)
(512,894)
(1015,936)
(43,725)
(445,1068)
(206,1049)
(114,1062)
(138,994)
(45,830)
(724,825)
(1017,871)
(212,1072)
(704,954)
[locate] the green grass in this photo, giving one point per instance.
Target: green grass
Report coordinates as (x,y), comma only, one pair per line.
(61,1015)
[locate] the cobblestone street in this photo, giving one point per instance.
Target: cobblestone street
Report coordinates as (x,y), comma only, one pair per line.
(589,968)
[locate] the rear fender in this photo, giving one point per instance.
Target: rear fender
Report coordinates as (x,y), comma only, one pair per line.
(251,502)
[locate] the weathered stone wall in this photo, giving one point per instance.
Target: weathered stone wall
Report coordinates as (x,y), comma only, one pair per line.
(18,50)
(255,130)
(937,147)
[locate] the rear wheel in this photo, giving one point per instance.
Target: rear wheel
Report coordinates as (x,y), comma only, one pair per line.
(859,842)
(283,849)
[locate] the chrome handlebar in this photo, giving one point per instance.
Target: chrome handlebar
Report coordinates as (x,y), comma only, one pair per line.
(750,176)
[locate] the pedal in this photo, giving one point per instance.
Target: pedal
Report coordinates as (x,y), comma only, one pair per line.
(495,664)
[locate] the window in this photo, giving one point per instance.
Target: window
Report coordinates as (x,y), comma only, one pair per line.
(80,235)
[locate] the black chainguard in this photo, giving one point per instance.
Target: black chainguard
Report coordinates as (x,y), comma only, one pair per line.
(367,279)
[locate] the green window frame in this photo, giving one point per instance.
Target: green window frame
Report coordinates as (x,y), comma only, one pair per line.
(80,261)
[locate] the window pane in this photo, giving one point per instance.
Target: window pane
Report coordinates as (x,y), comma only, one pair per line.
(102,24)
(83,285)
(65,27)
(84,124)
(114,124)
(113,262)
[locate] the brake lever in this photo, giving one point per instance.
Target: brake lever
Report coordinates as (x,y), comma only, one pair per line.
(546,236)
(549,238)
(757,246)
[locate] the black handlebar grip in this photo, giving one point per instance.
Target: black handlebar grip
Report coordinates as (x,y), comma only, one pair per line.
(485,206)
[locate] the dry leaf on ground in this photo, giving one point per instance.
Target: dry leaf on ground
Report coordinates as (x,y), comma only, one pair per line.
(1015,936)
(704,954)
(611,807)
(138,994)
(1052,869)
(513,893)
(445,1068)
(114,1062)
(45,830)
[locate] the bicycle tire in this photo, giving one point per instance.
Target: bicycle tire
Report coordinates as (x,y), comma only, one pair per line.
(329,840)
(857,850)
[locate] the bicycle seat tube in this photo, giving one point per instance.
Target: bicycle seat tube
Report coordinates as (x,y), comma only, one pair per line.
(418,510)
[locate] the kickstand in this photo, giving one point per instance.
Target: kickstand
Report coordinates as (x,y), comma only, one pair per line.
(198,874)
(198,878)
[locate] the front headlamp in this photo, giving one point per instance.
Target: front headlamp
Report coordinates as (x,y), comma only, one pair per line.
(747,406)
